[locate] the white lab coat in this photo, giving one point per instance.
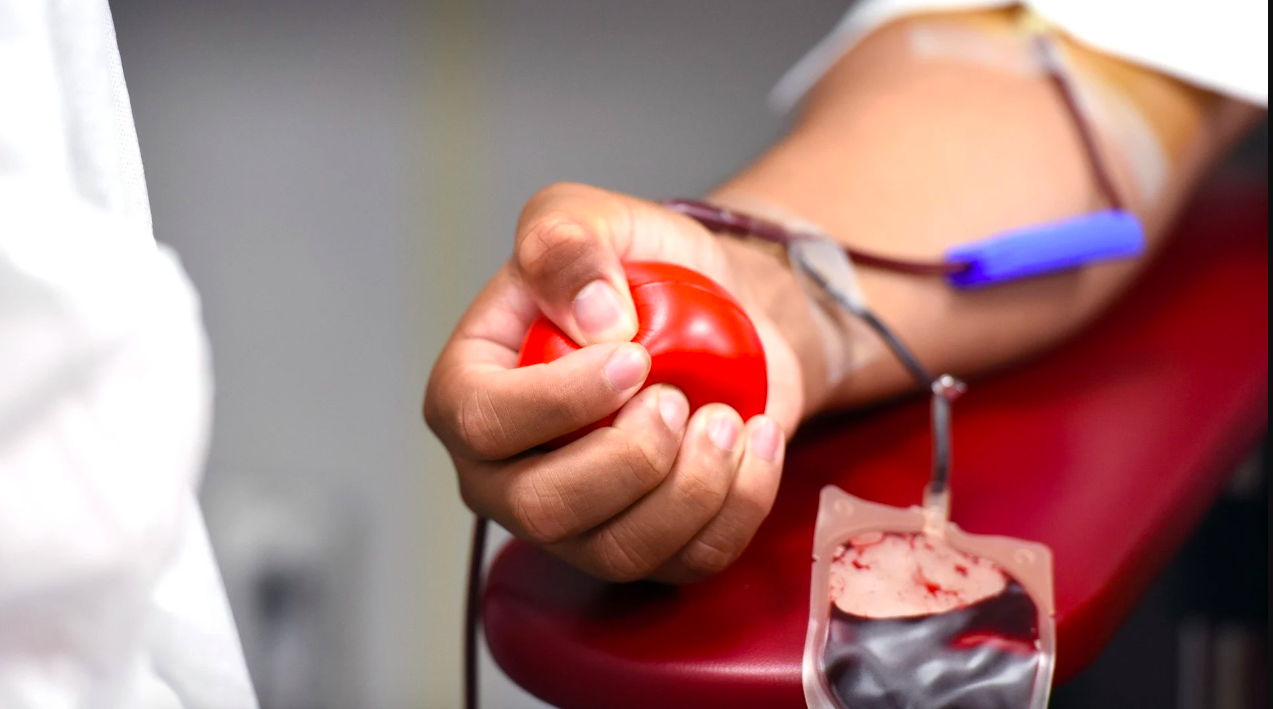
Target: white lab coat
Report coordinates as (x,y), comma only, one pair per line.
(109,596)
(1221,45)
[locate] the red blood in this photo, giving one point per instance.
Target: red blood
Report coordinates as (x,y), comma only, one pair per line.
(698,337)
(1002,643)
(930,586)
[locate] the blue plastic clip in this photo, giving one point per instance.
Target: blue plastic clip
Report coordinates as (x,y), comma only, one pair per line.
(1057,246)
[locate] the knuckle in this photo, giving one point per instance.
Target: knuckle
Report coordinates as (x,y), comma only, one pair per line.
(703,487)
(548,194)
(479,424)
(551,242)
(643,462)
(436,398)
(445,415)
(432,412)
(620,562)
(539,518)
(704,558)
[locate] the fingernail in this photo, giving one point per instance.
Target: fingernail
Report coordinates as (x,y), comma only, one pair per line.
(627,367)
(673,407)
(601,315)
(766,439)
(722,429)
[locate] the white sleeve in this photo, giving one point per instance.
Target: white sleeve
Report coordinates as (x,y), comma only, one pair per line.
(109,594)
(1221,45)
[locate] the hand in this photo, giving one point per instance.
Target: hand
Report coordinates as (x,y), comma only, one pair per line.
(660,493)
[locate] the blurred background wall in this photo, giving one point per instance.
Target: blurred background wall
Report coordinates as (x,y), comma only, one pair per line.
(340,177)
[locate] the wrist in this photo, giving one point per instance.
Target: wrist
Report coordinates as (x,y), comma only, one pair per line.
(772,293)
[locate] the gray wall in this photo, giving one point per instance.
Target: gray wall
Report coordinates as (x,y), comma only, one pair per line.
(340,178)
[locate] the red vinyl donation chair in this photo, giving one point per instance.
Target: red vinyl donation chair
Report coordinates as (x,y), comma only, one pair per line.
(1109,449)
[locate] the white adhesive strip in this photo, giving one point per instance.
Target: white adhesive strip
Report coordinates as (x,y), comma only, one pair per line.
(1115,118)
(1009,54)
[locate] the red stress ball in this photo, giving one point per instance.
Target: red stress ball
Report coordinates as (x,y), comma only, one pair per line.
(698,337)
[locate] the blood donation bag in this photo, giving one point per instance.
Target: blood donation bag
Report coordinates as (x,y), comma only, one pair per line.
(910,612)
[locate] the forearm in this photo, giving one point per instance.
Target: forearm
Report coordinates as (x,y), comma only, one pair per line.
(908,155)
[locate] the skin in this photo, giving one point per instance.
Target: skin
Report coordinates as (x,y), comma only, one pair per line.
(894,153)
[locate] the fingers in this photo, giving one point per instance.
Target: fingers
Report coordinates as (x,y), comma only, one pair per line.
(487,412)
(571,240)
(749,501)
(651,494)
(643,537)
(550,497)
(647,496)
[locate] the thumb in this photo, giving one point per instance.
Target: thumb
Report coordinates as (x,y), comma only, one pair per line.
(570,239)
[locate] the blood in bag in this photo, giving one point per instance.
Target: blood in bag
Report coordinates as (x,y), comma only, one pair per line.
(908,616)
(938,629)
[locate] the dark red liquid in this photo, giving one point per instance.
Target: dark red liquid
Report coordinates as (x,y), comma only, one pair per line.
(980,656)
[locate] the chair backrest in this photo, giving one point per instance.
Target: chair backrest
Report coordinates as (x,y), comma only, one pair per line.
(1108,449)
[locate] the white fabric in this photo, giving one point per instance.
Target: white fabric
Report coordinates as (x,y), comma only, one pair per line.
(1222,45)
(109,595)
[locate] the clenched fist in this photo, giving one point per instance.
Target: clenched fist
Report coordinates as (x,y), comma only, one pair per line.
(659,493)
